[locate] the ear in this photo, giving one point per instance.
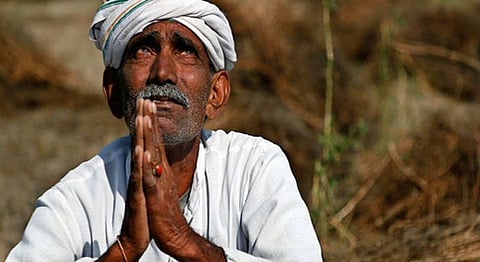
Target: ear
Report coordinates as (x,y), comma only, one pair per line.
(112,91)
(219,94)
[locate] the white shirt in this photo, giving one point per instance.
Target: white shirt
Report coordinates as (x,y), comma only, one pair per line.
(243,198)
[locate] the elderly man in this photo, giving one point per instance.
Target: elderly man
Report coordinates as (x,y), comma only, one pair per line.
(171,191)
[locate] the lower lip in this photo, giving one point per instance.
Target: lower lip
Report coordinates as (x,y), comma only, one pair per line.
(164,104)
(161,102)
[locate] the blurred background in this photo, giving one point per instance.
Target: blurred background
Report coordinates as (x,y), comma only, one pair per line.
(375,102)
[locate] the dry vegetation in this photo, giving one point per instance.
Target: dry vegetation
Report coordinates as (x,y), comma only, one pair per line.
(405,179)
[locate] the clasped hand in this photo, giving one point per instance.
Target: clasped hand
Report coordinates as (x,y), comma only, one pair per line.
(152,209)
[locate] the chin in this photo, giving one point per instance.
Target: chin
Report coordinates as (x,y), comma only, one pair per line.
(176,139)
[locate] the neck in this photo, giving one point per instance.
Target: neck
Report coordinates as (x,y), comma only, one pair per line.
(183,161)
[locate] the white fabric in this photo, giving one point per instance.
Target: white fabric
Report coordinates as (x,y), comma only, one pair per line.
(243,198)
(117,21)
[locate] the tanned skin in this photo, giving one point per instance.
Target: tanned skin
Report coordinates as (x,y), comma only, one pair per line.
(165,52)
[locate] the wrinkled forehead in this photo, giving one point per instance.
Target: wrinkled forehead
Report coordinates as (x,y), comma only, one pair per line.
(173,33)
(168,30)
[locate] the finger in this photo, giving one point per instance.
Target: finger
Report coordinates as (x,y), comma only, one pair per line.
(135,195)
(160,157)
(147,109)
(138,148)
(138,137)
(153,147)
(140,102)
(138,143)
(149,180)
(156,131)
(135,233)
(135,188)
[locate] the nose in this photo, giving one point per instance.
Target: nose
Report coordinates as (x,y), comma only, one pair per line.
(164,68)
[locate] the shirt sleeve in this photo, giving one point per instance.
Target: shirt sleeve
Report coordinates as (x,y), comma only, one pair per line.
(48,235)
(275,219)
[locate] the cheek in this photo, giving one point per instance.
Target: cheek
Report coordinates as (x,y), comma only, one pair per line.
(194,74)
(197,83)
(200,102)
(134,77)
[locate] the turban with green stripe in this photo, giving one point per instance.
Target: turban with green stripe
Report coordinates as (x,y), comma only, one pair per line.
(117,21)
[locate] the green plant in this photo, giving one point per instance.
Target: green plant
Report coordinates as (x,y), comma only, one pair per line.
(334,145)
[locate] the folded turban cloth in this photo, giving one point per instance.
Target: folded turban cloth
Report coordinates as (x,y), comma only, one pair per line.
(117,21)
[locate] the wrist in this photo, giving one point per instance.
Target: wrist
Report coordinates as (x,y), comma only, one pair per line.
(122,251)
(129,251)
(117,252)
(197,248)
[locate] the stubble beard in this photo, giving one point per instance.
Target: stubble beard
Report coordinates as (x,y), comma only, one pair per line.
(187,128)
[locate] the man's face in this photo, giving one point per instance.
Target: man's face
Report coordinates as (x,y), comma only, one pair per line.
(169,65)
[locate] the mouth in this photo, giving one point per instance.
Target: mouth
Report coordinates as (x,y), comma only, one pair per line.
(165,104)
(163,99)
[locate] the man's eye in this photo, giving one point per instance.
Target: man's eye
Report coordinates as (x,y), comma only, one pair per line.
(188,51)
(143,52)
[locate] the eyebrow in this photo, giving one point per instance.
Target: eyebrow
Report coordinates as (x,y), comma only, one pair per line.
(181,42)
(146,38)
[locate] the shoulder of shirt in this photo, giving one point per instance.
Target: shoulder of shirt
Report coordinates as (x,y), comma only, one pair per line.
(242,161)
(232,141)
(120,146)
(117,151)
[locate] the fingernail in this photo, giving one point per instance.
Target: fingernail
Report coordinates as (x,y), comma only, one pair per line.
(137,121)
(138,150)
(149,122)
(148,156)
(138,102)
(154,107)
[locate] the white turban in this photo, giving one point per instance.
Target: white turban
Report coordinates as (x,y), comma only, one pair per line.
(117,21)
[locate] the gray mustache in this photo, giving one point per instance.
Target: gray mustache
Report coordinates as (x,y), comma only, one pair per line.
(168,90)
